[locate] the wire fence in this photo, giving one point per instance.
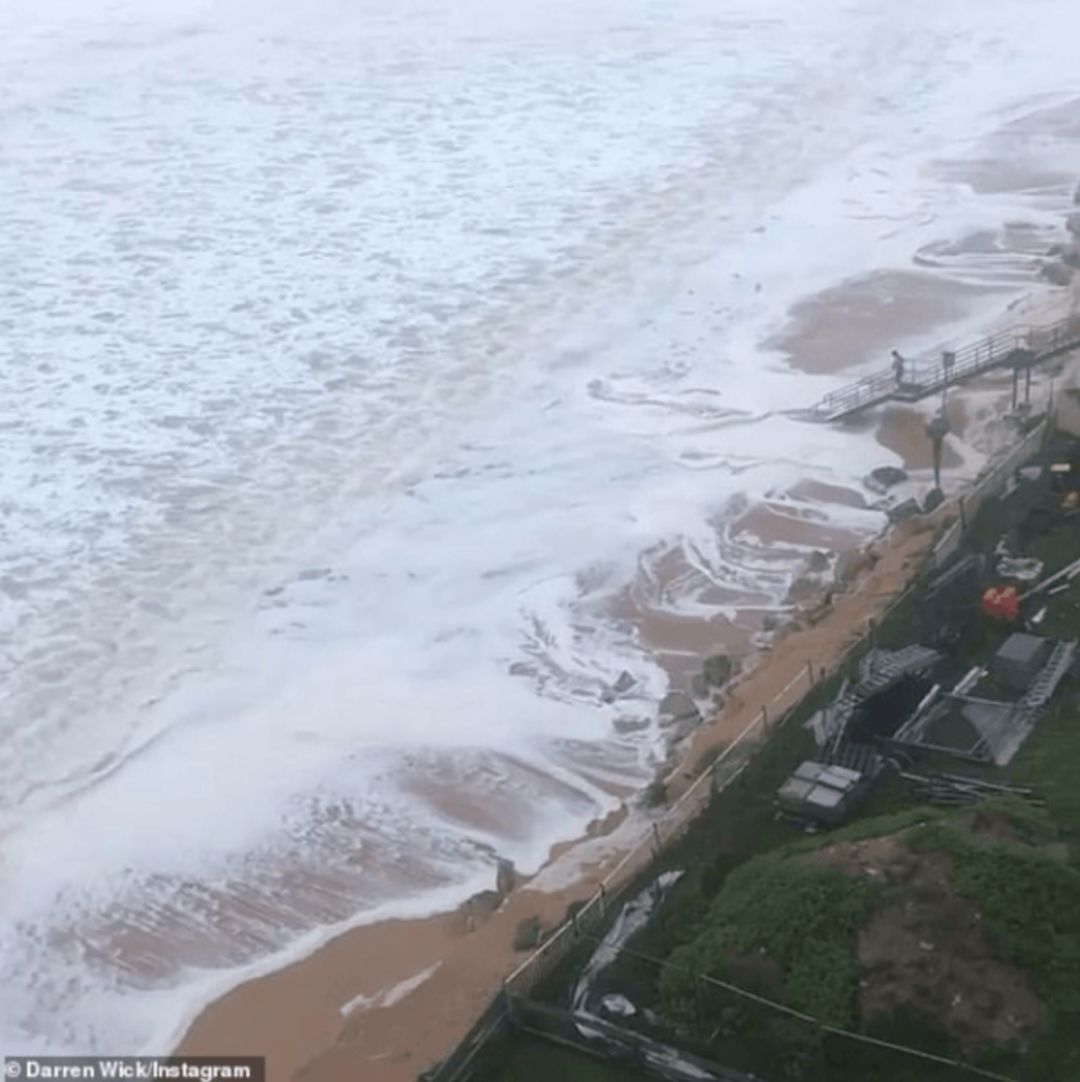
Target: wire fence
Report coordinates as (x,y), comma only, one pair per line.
(712,998)
(989,484)
(666,827)
(657,836)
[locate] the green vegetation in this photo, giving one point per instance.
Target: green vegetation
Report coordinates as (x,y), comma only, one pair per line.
(1029,901)
(756,909)
(1050,762)
(802,917)
(530,1060)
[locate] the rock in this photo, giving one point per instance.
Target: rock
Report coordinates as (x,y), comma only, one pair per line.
(1057,274)
(903,510)
(933,500)
(770,622)
(505,876)
(678,706)
(803,589)
(850,565)
(631,725)
(479,907)
(884,478)
(528,933)
(654,794)
(1072,224)
(699,685)
(1071,256)
(818,561)
(718,670)
(623,683)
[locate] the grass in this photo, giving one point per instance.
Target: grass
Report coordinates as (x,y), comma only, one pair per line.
(803,918)
(528,1059)
(1050,762)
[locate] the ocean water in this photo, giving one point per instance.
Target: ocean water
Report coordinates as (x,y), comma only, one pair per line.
(355,359)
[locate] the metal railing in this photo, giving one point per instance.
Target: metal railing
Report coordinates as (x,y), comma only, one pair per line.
(988,484)
(928,375)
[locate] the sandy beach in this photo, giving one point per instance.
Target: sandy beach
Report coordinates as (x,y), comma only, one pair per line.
(385,1001)
(399,405)
(295,1016)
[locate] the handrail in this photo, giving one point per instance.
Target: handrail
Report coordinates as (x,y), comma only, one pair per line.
(927,374)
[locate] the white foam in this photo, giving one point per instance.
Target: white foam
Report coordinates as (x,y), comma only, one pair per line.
(353,358)
(387,997)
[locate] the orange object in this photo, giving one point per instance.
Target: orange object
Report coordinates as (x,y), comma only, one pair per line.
(1001,603)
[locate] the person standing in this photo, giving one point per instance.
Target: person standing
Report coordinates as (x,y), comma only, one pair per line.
(898,367)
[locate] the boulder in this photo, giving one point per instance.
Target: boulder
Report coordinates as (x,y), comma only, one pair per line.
(654,794)
(933,500)
(885,477)
(678,706)
(699,685)
(1072,224)
(623,683)
(850,565)
(903,510)
(1056,274)
(1071,256)
(718,670)
(505,876)
(528,933)
(818,562)
(477,908)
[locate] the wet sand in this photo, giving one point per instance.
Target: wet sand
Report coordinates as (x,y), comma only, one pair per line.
(294,1015)
(865,317)
(903,431)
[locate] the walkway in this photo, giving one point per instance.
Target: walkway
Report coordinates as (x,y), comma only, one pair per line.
(1019,348)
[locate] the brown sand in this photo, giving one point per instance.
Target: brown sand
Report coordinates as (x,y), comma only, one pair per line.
(904,431)
(865,317)
(294,1016)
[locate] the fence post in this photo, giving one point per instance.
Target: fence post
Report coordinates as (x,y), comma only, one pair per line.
(963,515)
(765,718)
(657,844)
(603,901)
(809,673)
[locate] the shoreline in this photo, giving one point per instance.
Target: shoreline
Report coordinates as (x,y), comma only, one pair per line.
(293,1015)
(395,996)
